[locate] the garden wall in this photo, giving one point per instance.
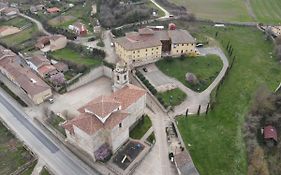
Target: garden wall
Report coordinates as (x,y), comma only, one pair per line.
(93,75)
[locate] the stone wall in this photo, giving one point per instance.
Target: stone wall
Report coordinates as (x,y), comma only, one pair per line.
(91,76)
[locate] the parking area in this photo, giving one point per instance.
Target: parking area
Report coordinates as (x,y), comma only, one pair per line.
(157,78)
(73,100)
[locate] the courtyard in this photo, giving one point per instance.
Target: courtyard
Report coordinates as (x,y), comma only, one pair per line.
(73,100)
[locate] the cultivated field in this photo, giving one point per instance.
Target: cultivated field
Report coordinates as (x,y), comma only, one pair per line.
(12,153)
(219,10)
(267,11)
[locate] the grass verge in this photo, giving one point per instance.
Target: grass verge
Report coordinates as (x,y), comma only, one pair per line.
(172,97)
(217,139)
(141,128)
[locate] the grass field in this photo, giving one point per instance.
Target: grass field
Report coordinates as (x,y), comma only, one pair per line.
(20,37)
(44,172)
(217,140)
(172,97)
(12,153)
(141,128)
(160,13)
(219,10)
(77,58)
(206,68)
(16,22)
(267,11)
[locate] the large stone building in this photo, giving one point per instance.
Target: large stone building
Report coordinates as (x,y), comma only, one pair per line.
(107,119)
(149,45)
(13,68)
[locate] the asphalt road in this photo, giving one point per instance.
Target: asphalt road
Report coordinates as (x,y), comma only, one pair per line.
(57,157)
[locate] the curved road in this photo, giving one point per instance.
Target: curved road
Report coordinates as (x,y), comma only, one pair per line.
(195,99)
(38,23)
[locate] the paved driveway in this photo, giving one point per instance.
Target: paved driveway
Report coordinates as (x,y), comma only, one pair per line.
(157,78)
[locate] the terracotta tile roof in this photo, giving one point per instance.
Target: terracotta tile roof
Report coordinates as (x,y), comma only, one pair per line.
(180,36)
(45,69)
(146,38)
(53,10)
(270,133)
(90,124)
(27,80)
(39,60)
(128,95)
(102,106)
(133,41)
(60,66)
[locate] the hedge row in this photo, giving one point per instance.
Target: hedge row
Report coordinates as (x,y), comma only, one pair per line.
(151,88)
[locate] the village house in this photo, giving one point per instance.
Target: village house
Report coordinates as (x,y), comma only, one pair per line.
(148,45)
(51,43)
(61,67)
(11,66)
(270,135)
(53,10)
(9,13)
(78,28)
(42,66)
(8,30)
(106,120)
(36,8)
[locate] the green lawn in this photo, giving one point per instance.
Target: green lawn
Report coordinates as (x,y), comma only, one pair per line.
(12,153)
(55,122)
(267,11)
(20,37)
(44,172)
(83,13)
(218,10)
(140,129)
(75,57)
(206,69)
(16,22)
(151,5)
(172,97)
(151,138)
(217,140)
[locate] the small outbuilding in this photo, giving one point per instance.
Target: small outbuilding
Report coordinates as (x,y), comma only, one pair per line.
(270,135)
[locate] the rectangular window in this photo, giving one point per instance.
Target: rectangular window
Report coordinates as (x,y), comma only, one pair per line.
(118,78)
(125,77)
(120,125)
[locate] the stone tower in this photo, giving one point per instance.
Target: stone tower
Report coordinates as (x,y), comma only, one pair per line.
(120,75)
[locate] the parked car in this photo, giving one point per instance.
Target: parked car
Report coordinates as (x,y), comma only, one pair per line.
(51,100)
(199,45)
